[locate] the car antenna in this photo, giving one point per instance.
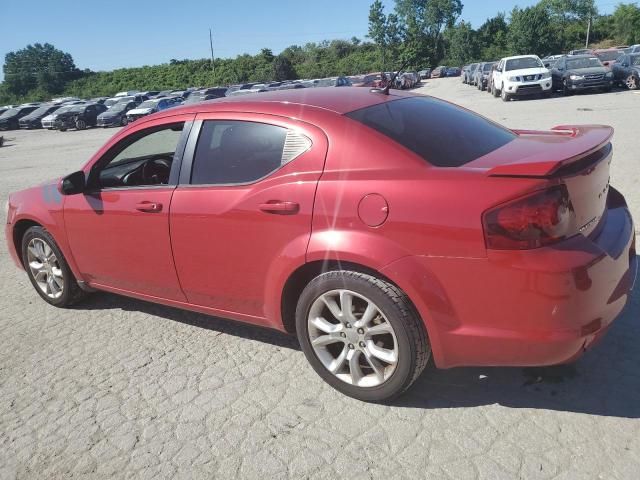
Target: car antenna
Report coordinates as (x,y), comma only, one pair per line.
(385,90)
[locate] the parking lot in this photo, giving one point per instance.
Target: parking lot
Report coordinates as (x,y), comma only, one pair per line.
(121,388)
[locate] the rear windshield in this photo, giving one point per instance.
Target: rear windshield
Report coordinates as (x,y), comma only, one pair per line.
(441,133)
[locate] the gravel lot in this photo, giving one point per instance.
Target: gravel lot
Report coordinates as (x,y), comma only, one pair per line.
(121,388)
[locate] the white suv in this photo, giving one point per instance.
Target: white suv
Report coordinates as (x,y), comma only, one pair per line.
(523,75)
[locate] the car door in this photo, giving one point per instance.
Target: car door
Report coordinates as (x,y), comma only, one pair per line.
(244,200)
(118,230)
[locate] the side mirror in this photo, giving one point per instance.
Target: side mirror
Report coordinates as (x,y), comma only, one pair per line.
(72,184)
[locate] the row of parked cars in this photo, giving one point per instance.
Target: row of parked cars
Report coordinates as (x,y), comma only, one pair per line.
(124,107)
(527,75)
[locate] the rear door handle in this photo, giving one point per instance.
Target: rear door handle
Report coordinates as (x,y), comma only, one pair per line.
(280,208)
(149,207)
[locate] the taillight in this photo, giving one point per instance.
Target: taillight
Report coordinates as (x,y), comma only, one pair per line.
(539,219)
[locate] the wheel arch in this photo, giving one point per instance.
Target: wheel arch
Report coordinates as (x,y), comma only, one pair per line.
(19,229)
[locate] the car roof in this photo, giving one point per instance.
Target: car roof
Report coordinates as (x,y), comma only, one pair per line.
(336,100)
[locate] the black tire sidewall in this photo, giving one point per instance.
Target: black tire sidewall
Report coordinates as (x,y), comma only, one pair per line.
(68,278)
(397,383)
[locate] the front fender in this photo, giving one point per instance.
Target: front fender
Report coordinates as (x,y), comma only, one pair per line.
(43,205)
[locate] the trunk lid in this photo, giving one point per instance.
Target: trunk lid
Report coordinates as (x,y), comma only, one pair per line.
(576,156)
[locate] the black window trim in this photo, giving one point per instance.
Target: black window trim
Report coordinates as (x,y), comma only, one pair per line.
(176,164)
(190,152)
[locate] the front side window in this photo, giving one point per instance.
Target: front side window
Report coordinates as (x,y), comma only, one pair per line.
(238,152)
(441,133)
(142,159)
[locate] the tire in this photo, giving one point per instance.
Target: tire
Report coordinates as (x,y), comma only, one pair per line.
(55,267)
(565,89)
(631,82)
(494,91)
(504,95)
(124,121)
(400,335)
(81,124)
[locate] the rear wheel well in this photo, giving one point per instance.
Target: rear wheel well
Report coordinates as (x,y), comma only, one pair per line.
(299,279)
(18,232)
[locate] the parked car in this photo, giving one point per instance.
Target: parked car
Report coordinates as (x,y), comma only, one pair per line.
(49,121)
(453,72)
(482,74)
(467,73)
(150,106)
(34,119)
(375,288)
(10,119)
(372,80)
(608,56)
(109,102)
(626,71)
(333,82)
(79,117)
(523,75)
(581,51)
(581,72)
(425,74)
(632,49)
(439,72)
(127,93)
(116,116)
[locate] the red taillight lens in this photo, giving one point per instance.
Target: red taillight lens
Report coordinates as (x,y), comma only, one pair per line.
(534,221)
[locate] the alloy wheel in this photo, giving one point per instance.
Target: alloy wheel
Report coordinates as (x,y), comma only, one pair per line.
(631,82)
(45,268)
(352,338)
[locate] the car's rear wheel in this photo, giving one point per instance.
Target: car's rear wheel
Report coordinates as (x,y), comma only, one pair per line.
(48,270)
(631,82)
(361,334)
(81,124)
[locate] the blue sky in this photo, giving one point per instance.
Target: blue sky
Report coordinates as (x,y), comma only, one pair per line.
(106,35)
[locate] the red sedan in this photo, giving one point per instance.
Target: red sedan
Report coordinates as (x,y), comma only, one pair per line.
(381,229)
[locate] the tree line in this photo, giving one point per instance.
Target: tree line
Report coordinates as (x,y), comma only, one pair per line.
(423,33)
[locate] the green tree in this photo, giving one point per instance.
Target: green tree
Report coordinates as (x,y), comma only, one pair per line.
(378,29)
(283,69)
(565,16)
(38,66)
(461,44)
(425,22)
(531,31)
(492,38)
(626,20)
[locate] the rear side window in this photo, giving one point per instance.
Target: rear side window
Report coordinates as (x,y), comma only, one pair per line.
(441,133)
(238,152)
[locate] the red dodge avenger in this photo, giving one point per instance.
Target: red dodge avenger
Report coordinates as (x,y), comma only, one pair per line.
(381,229)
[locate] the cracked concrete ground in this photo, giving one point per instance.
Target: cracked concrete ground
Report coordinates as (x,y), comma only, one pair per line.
(120,388)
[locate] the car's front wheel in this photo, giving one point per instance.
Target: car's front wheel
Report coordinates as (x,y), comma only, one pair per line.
(505,96)
(361,334)
(631,82)
(48,270)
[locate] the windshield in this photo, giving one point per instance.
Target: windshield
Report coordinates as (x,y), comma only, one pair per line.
(148,104)
(63,109)
(487,67)
(608,56)
(41,110)
(523,63)
(456,136)
(577,63)
(9,113)
(111,101)
(76,108)
(118,107)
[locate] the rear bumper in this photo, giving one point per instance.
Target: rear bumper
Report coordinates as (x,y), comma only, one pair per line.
(526,308)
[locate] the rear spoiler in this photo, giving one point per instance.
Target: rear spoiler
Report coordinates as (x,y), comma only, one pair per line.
(571,143)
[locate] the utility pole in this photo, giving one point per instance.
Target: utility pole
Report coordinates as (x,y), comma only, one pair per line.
(213,68)
(586,45)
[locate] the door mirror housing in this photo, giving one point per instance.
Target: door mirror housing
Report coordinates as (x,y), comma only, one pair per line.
(73,184)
